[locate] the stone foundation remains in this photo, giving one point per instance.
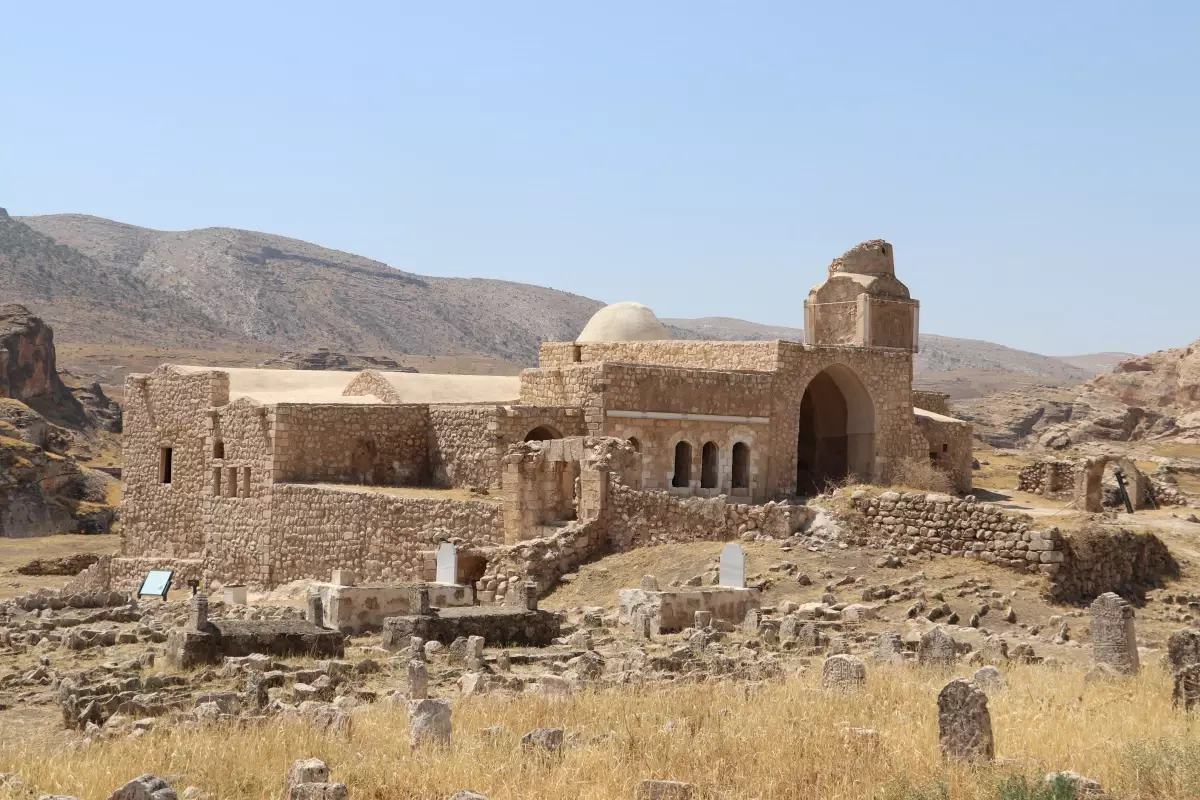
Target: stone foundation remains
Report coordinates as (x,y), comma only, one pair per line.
(672,610)
(205,641)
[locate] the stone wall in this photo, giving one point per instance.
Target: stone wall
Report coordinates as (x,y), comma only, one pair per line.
(937,402)
(168,413)
(1080,566)
(950,444)
(380,536)
(758,356)
(385,445)
(1051,478)
(893,323)
(967,528)
(1098,560)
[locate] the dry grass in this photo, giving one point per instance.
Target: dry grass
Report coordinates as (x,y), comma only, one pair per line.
(783,739)
(920,474)
(15,552)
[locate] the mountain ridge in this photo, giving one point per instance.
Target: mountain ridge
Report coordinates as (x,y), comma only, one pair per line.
(228,284)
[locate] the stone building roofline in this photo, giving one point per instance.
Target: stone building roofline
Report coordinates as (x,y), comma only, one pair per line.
(270,386)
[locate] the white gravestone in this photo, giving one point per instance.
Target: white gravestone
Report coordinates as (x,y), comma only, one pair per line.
(733,566)
(447,563)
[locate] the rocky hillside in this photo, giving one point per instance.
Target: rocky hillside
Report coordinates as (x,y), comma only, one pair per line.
(158,288)
(289,293)
(1146,397)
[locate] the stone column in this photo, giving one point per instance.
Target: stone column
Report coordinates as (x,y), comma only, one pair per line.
(198,612)
(530,595)
(418,680)
(863,324)
(421,606)
(316,610)
(429,722)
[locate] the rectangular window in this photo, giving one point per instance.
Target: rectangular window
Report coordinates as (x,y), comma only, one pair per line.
(164,465)
(245,481)
(231,482)
(218,449)
(945,448)
(216,486)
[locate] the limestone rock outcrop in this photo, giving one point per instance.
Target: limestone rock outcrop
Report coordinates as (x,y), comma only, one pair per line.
(27,367)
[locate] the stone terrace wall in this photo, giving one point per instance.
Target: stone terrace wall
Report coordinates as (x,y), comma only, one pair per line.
(949,526)
(1080,566)
(339,443)
(641,519)
(1050,477)
(759,356)
(378,535)
(937,402)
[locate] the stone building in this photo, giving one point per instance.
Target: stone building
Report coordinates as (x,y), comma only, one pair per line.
(265,476)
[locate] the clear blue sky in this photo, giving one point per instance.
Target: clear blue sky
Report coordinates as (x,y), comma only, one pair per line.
(1037,165)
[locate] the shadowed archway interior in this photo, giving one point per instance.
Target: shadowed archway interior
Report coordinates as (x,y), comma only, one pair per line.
(836,436)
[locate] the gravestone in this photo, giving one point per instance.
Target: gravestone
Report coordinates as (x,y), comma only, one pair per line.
(1114,642)
(447,563)
(429,722)
(989,679)
(703,619)
(843,673)
(751,622)
(733,566)
(198,613)
(1183,649)
(964,724)
(1186,691)
(418,680)
(936,648)
(888,648)
(315,612)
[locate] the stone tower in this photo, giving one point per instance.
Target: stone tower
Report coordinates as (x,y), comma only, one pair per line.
(862,303)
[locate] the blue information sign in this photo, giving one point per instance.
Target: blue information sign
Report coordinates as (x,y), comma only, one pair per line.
(157,582)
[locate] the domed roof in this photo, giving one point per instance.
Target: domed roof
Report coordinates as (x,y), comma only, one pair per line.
(623,322)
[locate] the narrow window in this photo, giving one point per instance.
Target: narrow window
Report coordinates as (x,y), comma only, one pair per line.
(216,485)
(231,482)
(635,443)
(683,466)
(741,466)
(164,465)
(945,448)
(218,448)
(708,466)
(245,481)
(576,353)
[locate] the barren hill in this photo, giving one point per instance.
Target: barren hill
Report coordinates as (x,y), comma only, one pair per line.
(938,353)
(93,277)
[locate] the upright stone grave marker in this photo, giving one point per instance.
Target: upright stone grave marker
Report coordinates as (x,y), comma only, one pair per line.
(1113,639)
(733,566)
(447,563)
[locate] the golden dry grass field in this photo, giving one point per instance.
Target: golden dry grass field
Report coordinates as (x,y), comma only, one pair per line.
(778,740)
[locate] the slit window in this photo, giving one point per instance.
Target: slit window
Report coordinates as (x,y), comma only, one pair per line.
(165,457)
(218,448)
(216,482)
(245,481)
(231,482)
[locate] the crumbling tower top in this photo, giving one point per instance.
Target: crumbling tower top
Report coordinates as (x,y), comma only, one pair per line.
(875,257)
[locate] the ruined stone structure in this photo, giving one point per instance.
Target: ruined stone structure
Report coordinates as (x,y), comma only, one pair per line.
(267,476)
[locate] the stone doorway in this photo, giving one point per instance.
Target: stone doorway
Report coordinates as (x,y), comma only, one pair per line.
(836,437)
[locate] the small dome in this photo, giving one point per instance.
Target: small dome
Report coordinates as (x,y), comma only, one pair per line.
(623,322)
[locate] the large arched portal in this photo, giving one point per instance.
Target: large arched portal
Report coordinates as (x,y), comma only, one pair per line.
(837,431)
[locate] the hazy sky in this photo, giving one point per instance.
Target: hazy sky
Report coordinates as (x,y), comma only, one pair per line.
(1036,165)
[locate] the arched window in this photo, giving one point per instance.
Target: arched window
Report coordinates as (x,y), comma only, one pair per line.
(542,433)
(635,443)
(708,466)
(683,466)
(741,466)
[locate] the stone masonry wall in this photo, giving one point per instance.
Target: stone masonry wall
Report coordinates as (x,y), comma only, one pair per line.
(1080,566)
(951,447)
(937,402)
(382,445)
(167,410)
(950,526)
(759,356)
(378,535)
